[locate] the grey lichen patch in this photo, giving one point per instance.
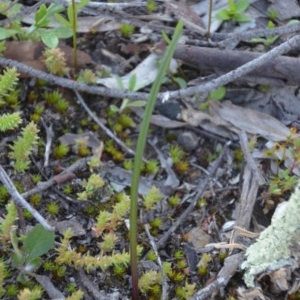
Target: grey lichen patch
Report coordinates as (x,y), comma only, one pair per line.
(278,245)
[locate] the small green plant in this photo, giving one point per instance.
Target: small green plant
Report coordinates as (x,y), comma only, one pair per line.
(68,189)
(23,147)
(55,61)
(186,291)
(10,121)
(38,111)
(50,37)
(127,103)
(268,41)
(128,164)
(182,166)
(176,153)
(176,276)
(91,186)
(109,242)
(119,270)
(69,257)
(3,194)
(283,182)
(178,254)
(202,203)
(62,106)
(151,6)
(203,265)
(174,201)
(61,151)
(87,76)
(3,274)
(8,82)
(153,196)
(181,264)
(152,256)
(216,95)
(126,121)
(32,294)
(36,178)
(71,287)
(35,199)
(82,147)
(151,167)
(48,265)
(116,154)
(35,244)
(149,279)
(156,223)
(234,11)
(107,221)
(53,97)
(12,290)
(52,209)
(126,29)
(272,15)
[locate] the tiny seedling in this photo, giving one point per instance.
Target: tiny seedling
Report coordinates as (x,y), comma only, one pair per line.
(126,29)
(216,95)
(127,103)
(235,11)
(35,244)
(268,41)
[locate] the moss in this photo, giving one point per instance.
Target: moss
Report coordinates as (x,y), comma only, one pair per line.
(61,151)
(126,29)
(52,208)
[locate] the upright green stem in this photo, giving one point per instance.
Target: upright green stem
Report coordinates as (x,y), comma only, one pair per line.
(209,17)
(139,155)
(74,28)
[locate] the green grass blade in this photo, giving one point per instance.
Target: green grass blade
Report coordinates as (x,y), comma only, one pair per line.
(139,154)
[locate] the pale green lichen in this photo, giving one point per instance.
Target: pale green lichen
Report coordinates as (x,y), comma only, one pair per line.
(278,245)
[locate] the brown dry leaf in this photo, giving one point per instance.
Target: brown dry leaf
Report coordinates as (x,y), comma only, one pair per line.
(30,50)
(32,54)
(190,19)
(83,59)
(198,237)
(254,294)
(226,119)
(214,125)
(280,279)
(250,121)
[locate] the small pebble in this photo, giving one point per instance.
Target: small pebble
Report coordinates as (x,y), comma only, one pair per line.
(188,141)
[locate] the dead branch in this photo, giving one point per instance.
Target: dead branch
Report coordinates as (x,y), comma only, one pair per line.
(222,61)
(19,200)
(247,68)
(231,264)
